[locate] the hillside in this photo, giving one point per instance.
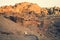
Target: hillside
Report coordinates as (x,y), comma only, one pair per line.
(28,21)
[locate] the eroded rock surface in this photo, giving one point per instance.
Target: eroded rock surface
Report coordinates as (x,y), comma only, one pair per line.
(28,21)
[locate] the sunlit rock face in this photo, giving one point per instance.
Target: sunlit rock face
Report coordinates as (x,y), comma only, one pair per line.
(24,11)
(28,21)
(23,7)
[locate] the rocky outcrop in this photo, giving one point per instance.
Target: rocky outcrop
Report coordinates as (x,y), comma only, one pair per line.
(27,12)
(28,21)
(21,8)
